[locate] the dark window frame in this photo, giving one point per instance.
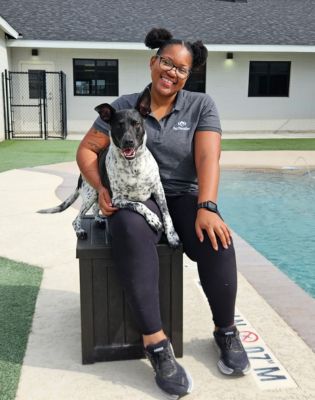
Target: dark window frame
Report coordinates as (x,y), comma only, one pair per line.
(273,80)
(197,80)
(99,76)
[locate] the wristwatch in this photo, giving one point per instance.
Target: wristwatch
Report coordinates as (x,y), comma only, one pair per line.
(208,205)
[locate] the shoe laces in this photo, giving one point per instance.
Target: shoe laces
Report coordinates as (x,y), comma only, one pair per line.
(166,361)
(233,342)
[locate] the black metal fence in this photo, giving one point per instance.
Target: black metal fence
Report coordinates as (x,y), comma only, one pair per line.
(34,104)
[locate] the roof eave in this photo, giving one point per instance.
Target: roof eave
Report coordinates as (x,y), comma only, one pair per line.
(248,48)
(8,28)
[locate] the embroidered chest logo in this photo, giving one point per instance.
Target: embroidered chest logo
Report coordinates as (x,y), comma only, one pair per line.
(181,126)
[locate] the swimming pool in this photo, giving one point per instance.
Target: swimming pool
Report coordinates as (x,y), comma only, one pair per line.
(274,211)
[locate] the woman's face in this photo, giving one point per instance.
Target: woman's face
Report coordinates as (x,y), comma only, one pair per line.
(167,83)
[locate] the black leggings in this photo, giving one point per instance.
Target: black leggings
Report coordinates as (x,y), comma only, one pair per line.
(136,260)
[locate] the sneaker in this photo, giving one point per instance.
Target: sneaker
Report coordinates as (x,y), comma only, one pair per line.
(233,357)
(169,375)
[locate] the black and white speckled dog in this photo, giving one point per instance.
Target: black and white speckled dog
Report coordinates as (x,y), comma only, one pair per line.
(130,172)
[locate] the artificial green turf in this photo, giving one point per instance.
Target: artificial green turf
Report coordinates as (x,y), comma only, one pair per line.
(30,153)
(19,285)
(268,144)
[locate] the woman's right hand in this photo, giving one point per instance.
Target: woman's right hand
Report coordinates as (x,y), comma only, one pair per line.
(105,202)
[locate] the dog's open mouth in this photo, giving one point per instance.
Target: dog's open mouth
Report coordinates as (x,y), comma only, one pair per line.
(129,153)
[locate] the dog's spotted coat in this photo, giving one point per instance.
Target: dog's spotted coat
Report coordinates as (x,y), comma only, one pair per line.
(131,173)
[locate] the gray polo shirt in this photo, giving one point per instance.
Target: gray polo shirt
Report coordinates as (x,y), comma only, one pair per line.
(171,139)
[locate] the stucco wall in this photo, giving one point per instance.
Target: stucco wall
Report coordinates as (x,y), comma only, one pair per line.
(133,76)
(3,66)
(226,82)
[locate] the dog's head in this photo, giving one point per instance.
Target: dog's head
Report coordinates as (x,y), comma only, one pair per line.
(127,126)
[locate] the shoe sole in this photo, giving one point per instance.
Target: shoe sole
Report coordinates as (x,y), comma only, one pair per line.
(177,396)
(233,372)
(225,370)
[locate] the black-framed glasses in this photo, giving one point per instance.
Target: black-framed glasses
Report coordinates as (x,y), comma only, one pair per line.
(167,65)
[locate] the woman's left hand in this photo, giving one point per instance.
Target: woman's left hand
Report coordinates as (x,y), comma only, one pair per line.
(213,225)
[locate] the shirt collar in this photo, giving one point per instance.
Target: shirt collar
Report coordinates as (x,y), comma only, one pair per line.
(179,101)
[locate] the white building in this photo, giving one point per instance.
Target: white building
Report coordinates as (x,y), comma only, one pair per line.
(268,85)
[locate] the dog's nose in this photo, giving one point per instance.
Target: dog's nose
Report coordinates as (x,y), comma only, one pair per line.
(129,143)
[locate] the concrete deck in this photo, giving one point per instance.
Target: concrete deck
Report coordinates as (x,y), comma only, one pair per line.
(283,362)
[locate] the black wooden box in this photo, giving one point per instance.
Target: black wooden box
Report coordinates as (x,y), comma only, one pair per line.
(108,331)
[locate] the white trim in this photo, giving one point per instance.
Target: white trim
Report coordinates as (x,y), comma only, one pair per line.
(249,48)
(60,44)
(8,28)
(49,64)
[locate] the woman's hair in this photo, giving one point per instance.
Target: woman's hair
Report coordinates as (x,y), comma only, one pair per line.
(159,38)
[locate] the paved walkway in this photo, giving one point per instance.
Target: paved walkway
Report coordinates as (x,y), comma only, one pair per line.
(283,363)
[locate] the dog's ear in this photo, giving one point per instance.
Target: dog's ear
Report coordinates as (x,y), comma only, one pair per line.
(106,112)
(144,103)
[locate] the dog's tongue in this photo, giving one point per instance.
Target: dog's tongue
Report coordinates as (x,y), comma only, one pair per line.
(129,152)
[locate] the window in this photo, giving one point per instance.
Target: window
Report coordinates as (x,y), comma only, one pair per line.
(197,80)
(95,77)
(269,78)
(36,80)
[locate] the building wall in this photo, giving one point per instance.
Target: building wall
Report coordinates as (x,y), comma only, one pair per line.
(227,83)
(133,76)
(3,66)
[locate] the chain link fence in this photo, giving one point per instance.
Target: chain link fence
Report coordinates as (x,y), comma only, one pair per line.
(34,104)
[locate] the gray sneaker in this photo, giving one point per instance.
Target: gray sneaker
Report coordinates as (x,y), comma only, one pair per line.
(170,376)
(233,357)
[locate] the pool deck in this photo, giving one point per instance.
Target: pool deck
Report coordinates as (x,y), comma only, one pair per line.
(275,316)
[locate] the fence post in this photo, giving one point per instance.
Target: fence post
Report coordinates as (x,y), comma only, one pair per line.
(63,102)
(44,97)
(5,104)
(4,107)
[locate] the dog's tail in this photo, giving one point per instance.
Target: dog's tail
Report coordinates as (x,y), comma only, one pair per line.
(66,204)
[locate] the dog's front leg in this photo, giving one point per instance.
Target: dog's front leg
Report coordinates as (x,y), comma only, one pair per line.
(151,218)
(169,229)
(101,220)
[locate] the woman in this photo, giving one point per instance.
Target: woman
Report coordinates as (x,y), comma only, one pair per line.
(184,136)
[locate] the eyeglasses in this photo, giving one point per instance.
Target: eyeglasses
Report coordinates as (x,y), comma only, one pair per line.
(167,65)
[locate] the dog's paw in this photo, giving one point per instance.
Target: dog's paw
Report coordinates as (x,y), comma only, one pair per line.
(155,223)
(81,234)
(101,221)
(173,239)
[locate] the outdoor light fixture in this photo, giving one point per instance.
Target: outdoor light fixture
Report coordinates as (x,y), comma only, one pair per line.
(34,52)
(229,56)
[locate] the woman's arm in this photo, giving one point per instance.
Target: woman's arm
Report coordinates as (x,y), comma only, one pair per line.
(207,156)
(87,158)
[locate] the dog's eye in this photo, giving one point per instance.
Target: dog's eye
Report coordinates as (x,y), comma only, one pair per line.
(136,124)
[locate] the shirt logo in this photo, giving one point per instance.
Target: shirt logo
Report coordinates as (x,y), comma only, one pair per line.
(181,126)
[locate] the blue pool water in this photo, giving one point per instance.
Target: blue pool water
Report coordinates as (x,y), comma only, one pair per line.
(275,213)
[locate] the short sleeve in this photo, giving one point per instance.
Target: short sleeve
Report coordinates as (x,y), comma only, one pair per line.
(209,117)
(101,126)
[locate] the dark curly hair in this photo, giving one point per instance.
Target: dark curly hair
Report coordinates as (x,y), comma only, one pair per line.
(159,38)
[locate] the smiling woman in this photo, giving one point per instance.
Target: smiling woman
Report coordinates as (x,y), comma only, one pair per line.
(184,135)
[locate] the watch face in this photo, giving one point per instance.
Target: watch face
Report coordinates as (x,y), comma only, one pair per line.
(208,205)
(211,206)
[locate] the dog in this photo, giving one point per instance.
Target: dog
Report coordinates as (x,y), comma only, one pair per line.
(128,170)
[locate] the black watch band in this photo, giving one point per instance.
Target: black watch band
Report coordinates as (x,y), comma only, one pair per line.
(208,205)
